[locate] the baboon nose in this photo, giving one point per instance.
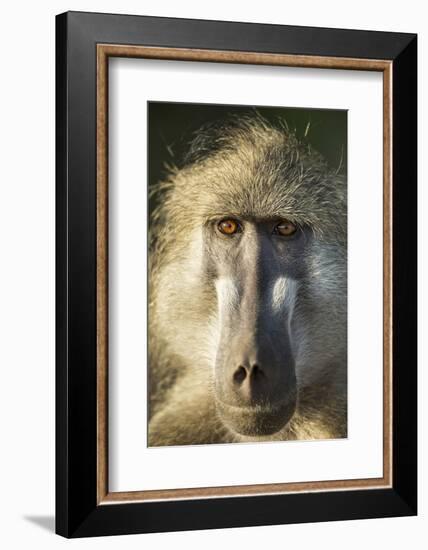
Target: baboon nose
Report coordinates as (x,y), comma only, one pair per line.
(241,373)
(249,380)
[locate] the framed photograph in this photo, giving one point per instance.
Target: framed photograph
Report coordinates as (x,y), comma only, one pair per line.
(236,274)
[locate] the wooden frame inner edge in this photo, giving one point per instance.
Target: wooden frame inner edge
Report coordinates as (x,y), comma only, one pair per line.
(104,51)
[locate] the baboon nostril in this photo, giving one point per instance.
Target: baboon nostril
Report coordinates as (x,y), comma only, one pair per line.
(239,375)
(257,373)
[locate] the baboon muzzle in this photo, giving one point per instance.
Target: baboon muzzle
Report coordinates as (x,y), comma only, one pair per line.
(255,373)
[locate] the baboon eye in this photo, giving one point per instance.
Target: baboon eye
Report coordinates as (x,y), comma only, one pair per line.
(285,229)
(228,226)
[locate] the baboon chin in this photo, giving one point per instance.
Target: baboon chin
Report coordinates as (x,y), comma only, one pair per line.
(256,420)
(248,278)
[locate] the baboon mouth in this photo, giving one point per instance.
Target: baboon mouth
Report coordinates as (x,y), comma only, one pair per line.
(257,420)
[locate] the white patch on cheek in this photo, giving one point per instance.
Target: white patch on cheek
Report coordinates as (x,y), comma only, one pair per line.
(283,295)
(227,296)
(228,302)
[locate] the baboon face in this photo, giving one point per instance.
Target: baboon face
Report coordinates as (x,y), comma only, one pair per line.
(256,264)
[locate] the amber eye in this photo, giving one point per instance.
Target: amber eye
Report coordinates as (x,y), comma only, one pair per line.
(285,229)
(228,227)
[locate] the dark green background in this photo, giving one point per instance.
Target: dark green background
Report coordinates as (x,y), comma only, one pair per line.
(171,126)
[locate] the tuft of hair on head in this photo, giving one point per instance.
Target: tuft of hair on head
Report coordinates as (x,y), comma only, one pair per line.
(229,132)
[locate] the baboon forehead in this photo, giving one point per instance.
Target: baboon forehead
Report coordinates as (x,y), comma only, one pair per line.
(264,183)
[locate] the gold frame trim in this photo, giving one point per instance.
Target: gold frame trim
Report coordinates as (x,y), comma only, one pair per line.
(104,51)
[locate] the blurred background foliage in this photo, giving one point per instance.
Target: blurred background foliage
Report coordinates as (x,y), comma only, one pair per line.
(172,125)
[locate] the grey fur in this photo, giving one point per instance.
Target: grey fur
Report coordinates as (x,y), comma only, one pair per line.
(255,172)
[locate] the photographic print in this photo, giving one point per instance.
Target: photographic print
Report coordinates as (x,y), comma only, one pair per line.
(235,328)
(247,286)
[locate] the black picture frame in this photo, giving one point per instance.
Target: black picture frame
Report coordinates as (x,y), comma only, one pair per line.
(78,513)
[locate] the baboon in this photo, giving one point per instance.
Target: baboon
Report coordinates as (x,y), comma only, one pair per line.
(248,291)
